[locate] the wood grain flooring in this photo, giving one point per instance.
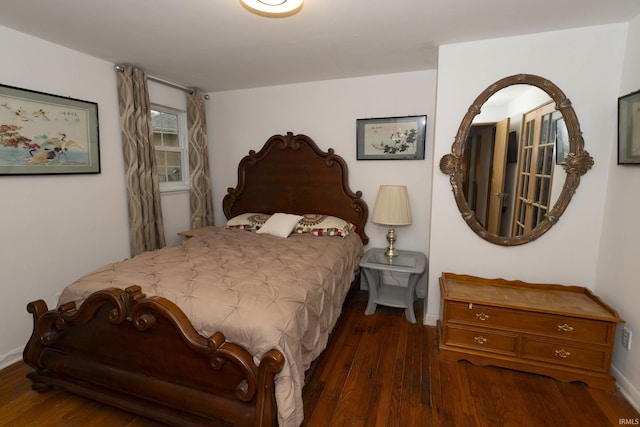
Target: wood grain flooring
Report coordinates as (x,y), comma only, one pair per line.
(378,370)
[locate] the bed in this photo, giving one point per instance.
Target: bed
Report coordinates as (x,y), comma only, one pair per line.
(175,334)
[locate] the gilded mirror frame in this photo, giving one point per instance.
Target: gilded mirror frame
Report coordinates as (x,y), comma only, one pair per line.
(578,161)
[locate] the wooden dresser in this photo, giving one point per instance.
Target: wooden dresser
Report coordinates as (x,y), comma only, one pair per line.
(565,332)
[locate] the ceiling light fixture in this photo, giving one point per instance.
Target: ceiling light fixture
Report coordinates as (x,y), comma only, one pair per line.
(273,8)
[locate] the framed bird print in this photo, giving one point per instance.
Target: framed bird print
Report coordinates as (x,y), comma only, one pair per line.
(391,138)
(43,134)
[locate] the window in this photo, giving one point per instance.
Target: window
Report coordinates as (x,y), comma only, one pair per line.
(170,143)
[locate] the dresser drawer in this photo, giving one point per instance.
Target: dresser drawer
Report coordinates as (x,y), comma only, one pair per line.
(583,330)
(481,339)
(563,354)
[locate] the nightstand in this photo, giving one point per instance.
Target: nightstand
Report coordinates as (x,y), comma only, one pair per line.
(195,231)
(375,263)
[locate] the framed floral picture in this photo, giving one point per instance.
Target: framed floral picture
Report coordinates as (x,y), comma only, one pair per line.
(47,134)
(629,129)
(391,138)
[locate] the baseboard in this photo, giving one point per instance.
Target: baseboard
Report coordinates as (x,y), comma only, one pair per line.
(627,389)
(11,357)
(430,320)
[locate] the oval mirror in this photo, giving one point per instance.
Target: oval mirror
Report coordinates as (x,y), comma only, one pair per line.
(516,160)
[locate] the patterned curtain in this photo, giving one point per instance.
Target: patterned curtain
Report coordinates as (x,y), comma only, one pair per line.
(201,199)
(143,189)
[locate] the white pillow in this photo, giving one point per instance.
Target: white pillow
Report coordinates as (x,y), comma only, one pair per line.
(279,224)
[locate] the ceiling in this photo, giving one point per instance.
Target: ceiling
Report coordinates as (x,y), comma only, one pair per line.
(218,45)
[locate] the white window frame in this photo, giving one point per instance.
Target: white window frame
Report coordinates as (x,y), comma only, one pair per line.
(183,149)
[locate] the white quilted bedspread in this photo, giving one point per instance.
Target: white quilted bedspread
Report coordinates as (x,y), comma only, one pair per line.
(260,291)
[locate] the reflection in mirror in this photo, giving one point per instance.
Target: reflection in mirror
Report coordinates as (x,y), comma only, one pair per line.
(517,121)
(508,162)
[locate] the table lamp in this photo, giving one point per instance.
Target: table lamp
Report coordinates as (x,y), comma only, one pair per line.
(392,208)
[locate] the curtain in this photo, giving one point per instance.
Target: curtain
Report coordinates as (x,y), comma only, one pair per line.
(200,198)
(143,189)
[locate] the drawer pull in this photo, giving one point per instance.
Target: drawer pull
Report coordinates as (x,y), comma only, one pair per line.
(565,328)
(480,339)
(563,353)
(482,316)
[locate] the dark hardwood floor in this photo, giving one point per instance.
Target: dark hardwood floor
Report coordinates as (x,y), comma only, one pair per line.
(378,370)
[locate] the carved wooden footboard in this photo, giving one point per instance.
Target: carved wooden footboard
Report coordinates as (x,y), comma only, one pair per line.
(143,355)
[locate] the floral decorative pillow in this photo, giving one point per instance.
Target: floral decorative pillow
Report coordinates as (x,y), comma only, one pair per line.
(248,221)
(323,225)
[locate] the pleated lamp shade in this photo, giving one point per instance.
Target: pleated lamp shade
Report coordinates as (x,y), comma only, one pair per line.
(392,206)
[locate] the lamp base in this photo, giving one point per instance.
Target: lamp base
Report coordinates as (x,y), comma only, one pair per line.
(391,250)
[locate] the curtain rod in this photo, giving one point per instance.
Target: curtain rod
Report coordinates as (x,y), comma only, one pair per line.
(164,82)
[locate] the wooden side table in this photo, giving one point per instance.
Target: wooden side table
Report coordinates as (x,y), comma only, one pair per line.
(196,231)
(374,263)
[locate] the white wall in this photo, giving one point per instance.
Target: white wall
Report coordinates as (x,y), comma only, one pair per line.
(586,64)
(55,228)
(618,266)
(326,111)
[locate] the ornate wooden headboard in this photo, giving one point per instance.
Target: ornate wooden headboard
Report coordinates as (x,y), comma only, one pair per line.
(291,174)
